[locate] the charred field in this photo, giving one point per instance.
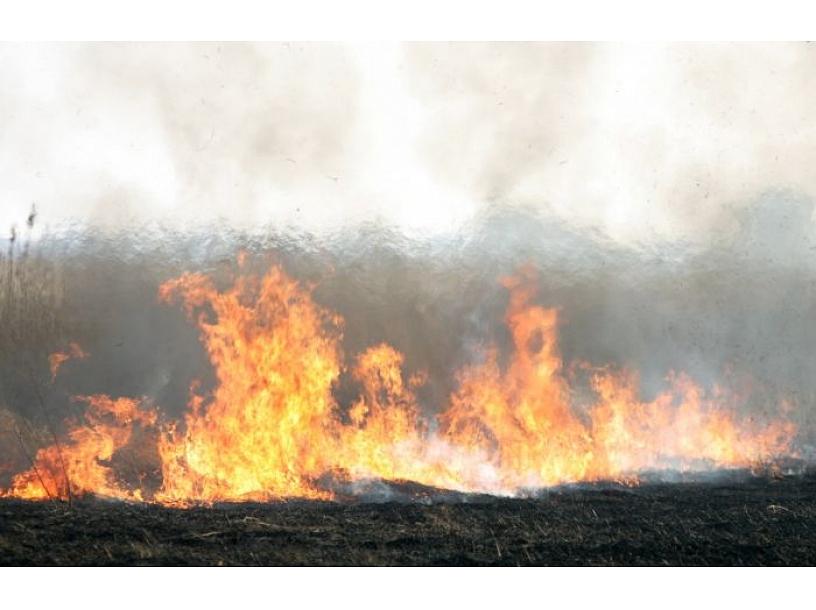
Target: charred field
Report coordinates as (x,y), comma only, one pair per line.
(742,520)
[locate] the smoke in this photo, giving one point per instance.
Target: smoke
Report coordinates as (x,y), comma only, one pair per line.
(745,308)
(117,134)
(645,142)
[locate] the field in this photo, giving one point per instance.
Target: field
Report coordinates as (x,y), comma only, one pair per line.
(741,520)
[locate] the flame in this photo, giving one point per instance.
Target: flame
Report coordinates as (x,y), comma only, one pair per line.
(387,437)
(683,428)
(522,416)
(58,359)
(82,464)
(272,427)
(526,419)
(267,429)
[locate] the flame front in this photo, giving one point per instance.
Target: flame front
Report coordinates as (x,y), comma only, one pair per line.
(527,420)
(272,427)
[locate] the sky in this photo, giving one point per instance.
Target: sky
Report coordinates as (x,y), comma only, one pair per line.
(661,142)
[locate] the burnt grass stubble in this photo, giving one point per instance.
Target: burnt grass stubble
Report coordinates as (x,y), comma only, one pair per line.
(752,520)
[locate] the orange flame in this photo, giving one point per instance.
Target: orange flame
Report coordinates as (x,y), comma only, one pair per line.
(82,464)
(272,428)
(524,417)
(58,359)
(267,429)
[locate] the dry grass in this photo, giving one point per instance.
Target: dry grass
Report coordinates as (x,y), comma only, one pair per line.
(31,321)
(32,326)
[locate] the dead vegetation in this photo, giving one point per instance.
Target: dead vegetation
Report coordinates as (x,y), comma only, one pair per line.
(30,311)
(32,326)
(755,521)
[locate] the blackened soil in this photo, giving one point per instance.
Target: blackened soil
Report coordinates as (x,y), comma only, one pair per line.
(752,521)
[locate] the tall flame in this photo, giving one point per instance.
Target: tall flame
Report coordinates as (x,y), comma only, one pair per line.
(522,416)
(267,428)
(272,427)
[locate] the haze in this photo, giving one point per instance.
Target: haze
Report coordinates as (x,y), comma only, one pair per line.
(644,142)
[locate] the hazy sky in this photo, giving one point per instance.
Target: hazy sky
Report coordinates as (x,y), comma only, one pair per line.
(644,141)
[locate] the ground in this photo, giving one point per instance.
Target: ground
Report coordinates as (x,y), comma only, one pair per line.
(747,520)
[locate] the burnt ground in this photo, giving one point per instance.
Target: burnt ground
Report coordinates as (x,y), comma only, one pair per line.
(744,520)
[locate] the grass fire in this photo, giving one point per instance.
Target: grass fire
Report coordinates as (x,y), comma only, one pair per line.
(407,304)
(271,428)
(285,408)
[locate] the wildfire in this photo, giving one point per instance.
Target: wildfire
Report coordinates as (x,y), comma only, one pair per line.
(267,430)
(58,359)
(526,419)
(82,465)
(272,427)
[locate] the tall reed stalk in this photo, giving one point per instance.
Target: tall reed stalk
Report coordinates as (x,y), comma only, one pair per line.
(31,328)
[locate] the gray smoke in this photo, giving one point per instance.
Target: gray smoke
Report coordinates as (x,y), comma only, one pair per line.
(747,307)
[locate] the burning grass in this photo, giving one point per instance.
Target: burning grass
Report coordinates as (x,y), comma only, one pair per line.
(272,427)
(303,452)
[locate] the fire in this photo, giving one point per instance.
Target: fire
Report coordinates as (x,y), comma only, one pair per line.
(272,427)
(81,465)
(387,437)
(526,418)
(522,416)
(683,428)
(266,431)
(58,359)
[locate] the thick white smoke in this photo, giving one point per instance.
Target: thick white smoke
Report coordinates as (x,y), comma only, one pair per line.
(644,141)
